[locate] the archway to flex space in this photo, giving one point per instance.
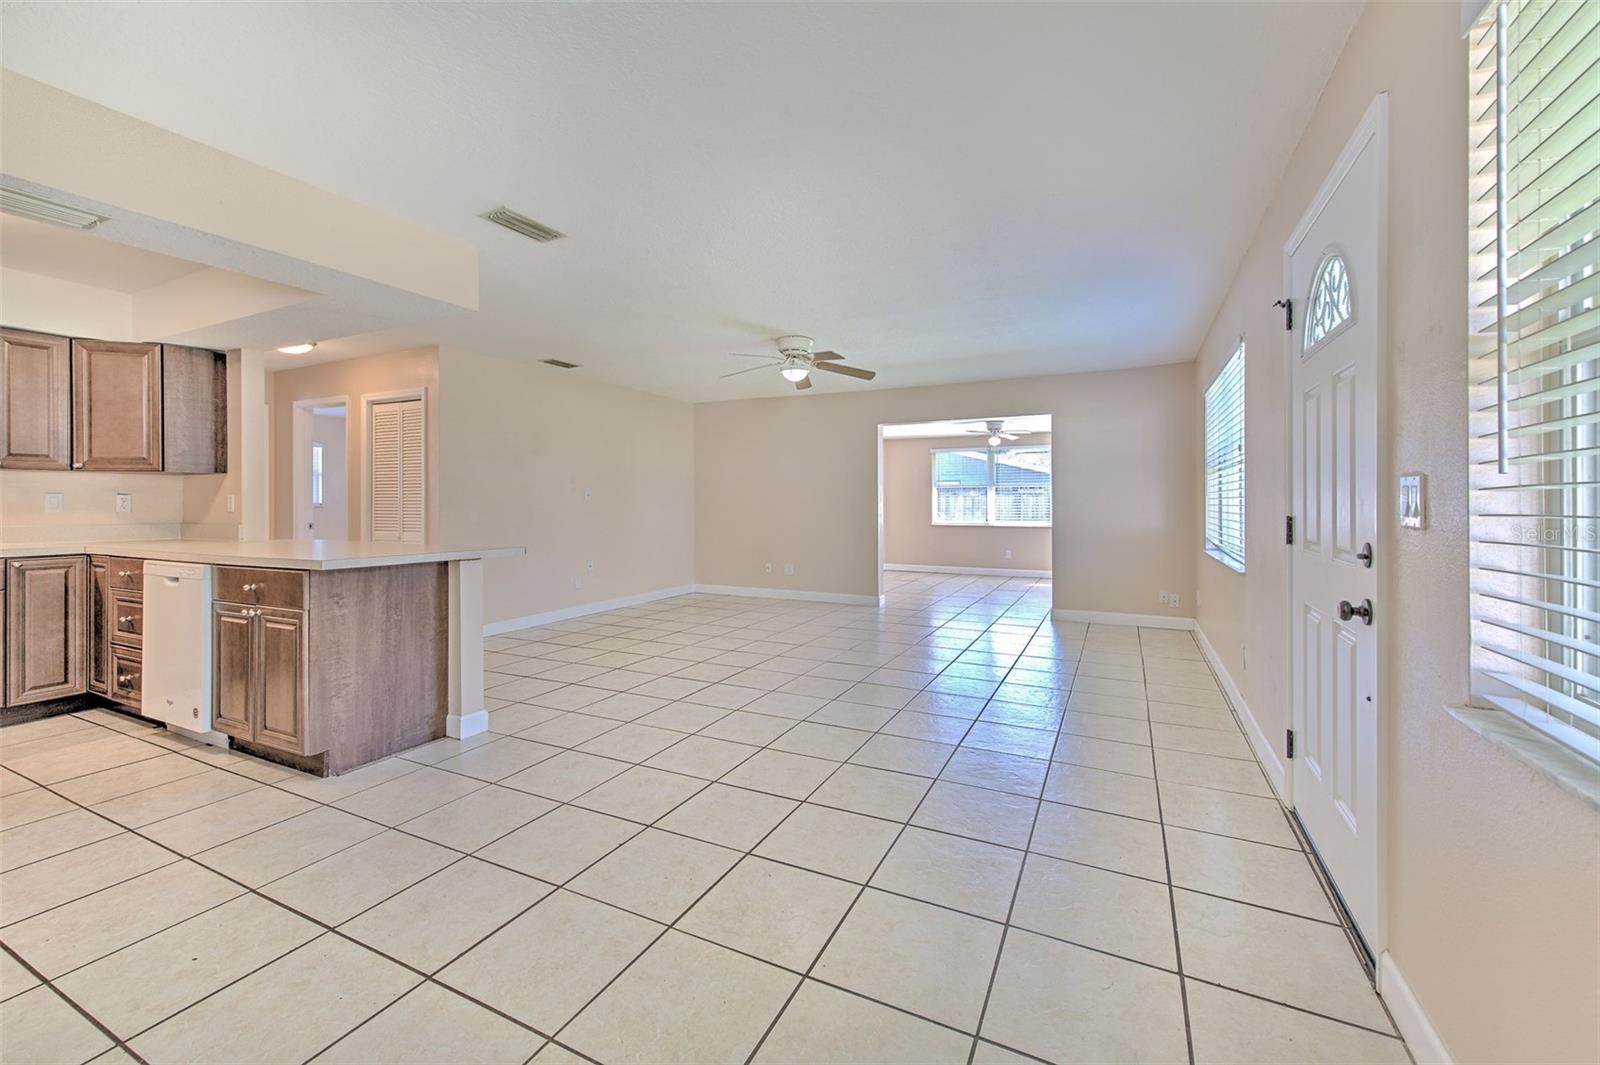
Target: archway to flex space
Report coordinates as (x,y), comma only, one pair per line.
(965,501)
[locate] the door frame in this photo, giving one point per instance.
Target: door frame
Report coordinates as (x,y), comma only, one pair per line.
(1373,129)
(300,459)
(368,401)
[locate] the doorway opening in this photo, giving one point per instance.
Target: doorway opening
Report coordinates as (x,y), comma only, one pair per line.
(966,501)
(321,469)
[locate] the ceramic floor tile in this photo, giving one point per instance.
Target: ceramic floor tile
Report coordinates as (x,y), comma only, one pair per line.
(732,817)
(835,842)
(823,1023)
(38,887)
(632,742)
(1106,727)
(684,1001)
(931,961)
(656,874)
(191,791)
(776,912)
(478,818)
(1095,908)
(1064,1003)
(964,874)
(821,741)
(1276,877)
(560,844)
(1226,813)
(432,1026)
(328,987)
(878,792)
(853,715)
(1225,774)
(566,776)
(793,776)
(341,886)
(1099,789)
(568,730)
(14,977)
(280,849)
(997,771)
(210,826)
(684,717)
(498,760)
(1109,755)
(641,794)
(1201,740)
(1230,1027)
(543,967)
(32,805)
(52,835)
(991,816)
(902,754)
(412,795)
(742,726)
(40,1026)
(194,958)
(702,756)
(920,726)
(1110,841)
(1278,956)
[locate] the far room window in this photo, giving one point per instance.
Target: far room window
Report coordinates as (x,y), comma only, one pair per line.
(316,475)
(1225,463)
(1534,367)
(991,486)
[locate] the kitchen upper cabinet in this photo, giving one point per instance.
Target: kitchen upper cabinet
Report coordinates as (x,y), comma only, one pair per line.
(116,406)
(194,410)
(35,401)
(45,628)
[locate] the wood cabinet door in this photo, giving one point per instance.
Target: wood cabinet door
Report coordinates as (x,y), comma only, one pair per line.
(281,721)
(46,626)
(99,600)
(233,655)
(194,410)
(35,401)
(116,406)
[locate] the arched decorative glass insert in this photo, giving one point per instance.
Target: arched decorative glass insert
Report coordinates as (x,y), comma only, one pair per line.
(1328,305)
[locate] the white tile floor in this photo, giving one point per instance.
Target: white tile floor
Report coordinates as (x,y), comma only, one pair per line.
(706,829)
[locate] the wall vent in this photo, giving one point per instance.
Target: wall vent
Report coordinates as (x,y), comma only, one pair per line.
(521,223)
(560,364)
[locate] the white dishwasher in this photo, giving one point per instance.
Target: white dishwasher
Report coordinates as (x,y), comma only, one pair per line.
(177,647)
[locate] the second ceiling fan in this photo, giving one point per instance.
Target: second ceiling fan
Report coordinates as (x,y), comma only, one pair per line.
(795,361)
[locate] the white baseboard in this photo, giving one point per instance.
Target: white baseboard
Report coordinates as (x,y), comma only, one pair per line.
(1422,1039)
(1109,617)
(528,621)
(976,571)
(461,726)
(1266,750)
(788,593)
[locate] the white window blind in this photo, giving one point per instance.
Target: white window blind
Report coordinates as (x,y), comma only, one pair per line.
(1534,367)
(991,486)
(397,468)
(1225,463)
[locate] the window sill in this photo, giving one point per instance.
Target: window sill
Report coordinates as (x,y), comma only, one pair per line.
(989,525)
(1237,567)
(1569,771)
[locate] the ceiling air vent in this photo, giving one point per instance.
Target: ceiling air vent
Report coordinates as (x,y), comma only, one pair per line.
(560,364)
(521,223)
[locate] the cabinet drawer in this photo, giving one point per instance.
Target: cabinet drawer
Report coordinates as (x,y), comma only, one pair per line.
(126,620)
(127,676)
(261,587)
(126,573)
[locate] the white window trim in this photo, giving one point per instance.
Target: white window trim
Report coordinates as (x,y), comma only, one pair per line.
(1212,548)
(933,491)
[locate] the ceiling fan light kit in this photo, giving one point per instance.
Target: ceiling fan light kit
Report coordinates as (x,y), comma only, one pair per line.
(795,361)
(996,430)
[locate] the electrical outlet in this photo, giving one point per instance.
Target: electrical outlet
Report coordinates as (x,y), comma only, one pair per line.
(788,569)
(577,582)
(1165,597)
(124,503)
(54,502)
(769,567)
(589,565)
(1176,600)
(588,493)
(1008,552)
(233,502)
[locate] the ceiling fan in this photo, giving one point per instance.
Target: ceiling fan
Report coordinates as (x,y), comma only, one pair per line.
(997,431)
(795,361)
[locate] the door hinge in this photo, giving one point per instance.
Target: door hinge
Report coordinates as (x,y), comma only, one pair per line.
(1288,528)
(1288,743)
(1288,313)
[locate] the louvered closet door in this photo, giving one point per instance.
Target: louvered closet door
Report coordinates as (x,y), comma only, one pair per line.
(398,468)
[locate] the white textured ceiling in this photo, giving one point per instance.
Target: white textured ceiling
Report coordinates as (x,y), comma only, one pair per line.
(942,193)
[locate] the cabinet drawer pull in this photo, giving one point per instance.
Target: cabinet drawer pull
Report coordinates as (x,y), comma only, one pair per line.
(252,587)
(124,680)
(126,619)
(124,572)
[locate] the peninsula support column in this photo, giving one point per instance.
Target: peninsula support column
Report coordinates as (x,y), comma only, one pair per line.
(467,716)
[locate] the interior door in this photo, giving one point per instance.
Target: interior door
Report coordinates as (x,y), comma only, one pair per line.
(1334,268)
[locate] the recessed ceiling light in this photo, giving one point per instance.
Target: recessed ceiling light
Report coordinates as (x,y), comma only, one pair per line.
(13,201)
(298,349)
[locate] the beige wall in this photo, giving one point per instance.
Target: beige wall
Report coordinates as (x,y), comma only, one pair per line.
(351,379)
(794,479)
(1494,913)
(574,471)
(911,538)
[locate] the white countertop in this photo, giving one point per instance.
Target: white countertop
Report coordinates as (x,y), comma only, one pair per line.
(268,554)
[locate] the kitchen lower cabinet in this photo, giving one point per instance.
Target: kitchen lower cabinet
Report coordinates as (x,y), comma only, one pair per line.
(46,628)
(116,628)
(99,641)
(320,669)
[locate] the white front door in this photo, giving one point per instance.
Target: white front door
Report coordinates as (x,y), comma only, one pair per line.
(1334,267)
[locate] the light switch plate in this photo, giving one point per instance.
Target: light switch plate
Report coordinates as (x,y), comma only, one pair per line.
(54,503)
(124,503)
(1412,502)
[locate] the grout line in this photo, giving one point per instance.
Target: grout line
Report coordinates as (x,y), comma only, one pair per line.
(116,1041)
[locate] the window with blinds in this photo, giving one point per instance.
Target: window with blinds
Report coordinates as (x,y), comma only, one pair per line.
(397,466)
(1225,463)
(991,486)
(1534,365)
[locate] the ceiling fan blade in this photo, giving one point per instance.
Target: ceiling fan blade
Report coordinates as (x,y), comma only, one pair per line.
(848,371)
(826,356)
(751,369)
(747,355)
(1007,436)
(802,384)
